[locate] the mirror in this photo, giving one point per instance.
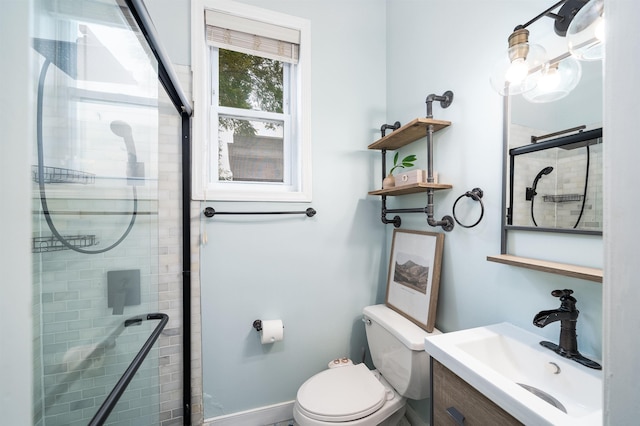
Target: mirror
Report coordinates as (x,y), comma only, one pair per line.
(554,151)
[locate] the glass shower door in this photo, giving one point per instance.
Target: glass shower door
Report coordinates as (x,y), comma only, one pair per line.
(96,213)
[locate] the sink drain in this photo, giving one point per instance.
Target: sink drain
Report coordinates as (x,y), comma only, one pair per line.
(544,396)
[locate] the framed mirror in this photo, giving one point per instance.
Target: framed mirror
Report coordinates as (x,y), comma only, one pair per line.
(553,160)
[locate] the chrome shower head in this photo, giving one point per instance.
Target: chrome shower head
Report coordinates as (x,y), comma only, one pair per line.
(121,128)
(134,168)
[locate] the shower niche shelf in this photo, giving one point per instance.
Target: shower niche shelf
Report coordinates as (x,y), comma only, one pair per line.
(51,243)
(60,175)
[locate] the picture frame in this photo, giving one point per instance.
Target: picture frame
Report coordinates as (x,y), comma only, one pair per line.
(414,275)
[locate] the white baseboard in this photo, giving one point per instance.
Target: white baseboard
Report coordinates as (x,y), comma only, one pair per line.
(271,414)
(256,417)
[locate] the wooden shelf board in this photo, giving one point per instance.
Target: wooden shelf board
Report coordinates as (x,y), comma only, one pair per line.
(408,133)
(413,188)
(575,271)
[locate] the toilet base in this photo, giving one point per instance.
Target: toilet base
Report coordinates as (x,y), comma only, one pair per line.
(379,418)
(395,418)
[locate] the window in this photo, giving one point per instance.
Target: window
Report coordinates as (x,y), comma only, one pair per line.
(251,95)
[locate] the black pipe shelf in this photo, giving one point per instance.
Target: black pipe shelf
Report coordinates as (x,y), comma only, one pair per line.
(413,188)
(401,136)
(410,132)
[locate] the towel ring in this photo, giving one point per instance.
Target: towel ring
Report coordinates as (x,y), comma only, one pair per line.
(476,194)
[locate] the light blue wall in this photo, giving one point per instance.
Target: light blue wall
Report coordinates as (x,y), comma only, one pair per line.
(373,63)
(171,19)
(440,45)
(621,380)
(316,274)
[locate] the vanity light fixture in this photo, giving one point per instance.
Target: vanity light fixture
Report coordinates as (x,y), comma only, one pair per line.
(510,74)
(585,35)
(525,69)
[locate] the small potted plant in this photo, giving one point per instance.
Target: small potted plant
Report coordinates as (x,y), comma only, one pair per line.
(390,180)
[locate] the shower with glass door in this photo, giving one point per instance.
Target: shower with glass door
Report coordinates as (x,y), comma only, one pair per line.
(103,198)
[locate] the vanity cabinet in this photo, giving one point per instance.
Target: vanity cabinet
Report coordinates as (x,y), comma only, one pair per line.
(455,402)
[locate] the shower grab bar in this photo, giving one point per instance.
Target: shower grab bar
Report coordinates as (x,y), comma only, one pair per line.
(75,373)
(210,212)
(114,396)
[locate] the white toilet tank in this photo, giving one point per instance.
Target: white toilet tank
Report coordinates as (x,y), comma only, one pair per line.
(397,350)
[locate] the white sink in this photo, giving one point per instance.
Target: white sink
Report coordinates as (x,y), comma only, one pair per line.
(502,360)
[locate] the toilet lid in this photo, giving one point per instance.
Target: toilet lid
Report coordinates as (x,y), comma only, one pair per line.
(341,394)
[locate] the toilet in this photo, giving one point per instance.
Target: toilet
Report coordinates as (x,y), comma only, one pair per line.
(353,395)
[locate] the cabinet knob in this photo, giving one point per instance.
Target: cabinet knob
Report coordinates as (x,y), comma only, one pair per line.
(456,415)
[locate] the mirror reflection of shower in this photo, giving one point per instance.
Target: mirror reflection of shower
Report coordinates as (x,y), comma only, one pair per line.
(557,183)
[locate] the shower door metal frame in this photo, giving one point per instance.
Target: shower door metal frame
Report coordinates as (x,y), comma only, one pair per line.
(171,84)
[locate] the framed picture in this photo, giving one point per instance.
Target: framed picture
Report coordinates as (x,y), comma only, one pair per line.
(414,275)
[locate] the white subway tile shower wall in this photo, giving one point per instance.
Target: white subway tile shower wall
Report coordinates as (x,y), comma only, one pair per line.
(75,318)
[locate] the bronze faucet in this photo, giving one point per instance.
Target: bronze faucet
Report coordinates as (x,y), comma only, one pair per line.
(567,314)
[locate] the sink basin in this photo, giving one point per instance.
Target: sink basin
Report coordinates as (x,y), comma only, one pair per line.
(533,384)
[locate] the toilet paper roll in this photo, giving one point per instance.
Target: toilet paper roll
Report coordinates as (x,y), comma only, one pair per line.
(272,331)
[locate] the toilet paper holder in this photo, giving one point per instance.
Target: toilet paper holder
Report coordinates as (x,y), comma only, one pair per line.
(257,324)
(270,331)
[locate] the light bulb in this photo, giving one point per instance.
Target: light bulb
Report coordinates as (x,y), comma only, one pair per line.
(555,81)
(511,74)
(517,71)
(550,79)
(599,30)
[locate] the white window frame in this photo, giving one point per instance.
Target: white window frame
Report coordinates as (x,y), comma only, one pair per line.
(297,187)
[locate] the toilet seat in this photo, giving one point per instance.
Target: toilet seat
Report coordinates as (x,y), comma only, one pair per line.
(341,394)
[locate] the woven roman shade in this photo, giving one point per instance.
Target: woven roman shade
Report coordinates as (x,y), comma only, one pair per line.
(252,37)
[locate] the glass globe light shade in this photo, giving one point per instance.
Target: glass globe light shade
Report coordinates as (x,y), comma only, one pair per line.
(585,35)
(510,75)
(555,81)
